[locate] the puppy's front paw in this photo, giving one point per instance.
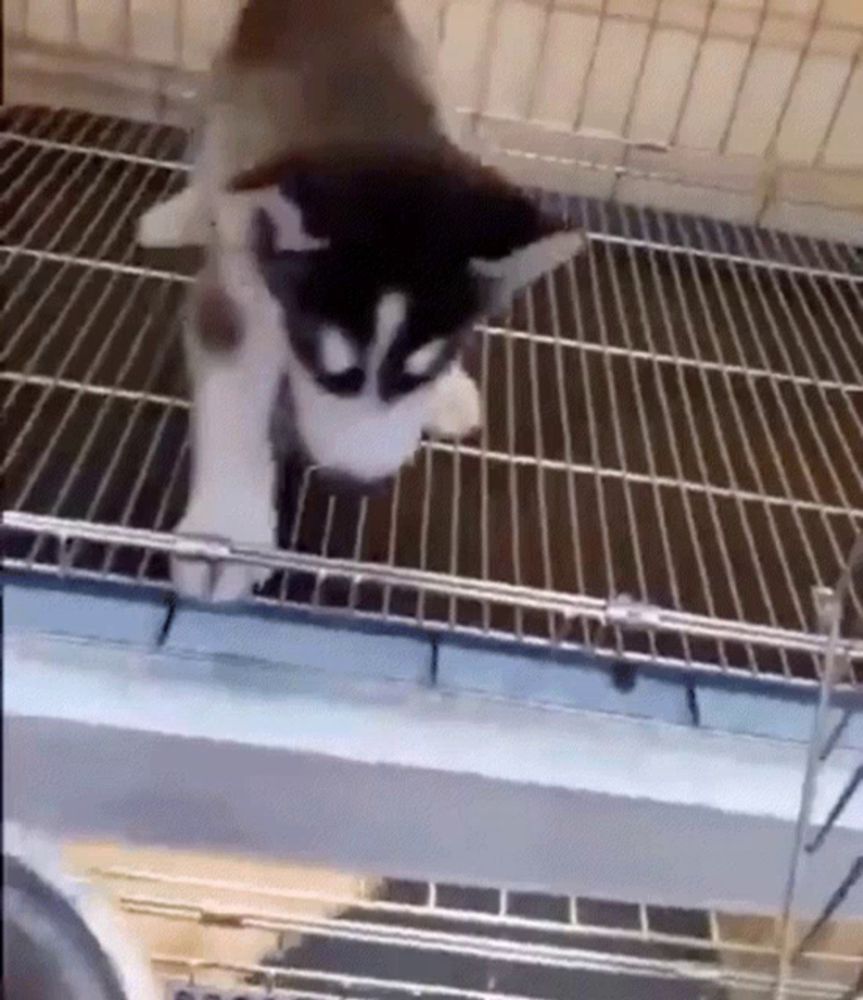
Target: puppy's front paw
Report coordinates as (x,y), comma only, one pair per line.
(221,584)
(250,524)
(456,410)
(171,223)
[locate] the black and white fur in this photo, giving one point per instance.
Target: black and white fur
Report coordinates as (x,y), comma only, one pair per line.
(357,247)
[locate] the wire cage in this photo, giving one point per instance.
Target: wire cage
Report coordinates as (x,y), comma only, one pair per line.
(671,466)
(671,463)
(303,933)
(744,106)
(841,617)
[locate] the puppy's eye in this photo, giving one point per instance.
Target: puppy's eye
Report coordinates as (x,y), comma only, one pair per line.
(337,354)
(422,361)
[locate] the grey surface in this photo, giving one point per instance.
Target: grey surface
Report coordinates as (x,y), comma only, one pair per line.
(387,820)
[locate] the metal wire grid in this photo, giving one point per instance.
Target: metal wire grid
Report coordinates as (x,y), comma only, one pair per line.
(185,53)
(818,19)
(841,616)
(672,460)
(428,940)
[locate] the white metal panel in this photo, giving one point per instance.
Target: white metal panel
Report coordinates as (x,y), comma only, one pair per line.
(775,80)
(844,148)
(564,65)
(710,107)
(51,21)
(662,92)
(154,31)
(102,24)
(517,41)
(812,107)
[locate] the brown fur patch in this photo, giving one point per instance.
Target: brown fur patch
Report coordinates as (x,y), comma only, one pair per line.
(278,31)
(301,75)
(217,320)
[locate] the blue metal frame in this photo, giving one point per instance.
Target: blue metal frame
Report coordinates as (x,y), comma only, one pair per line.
(145,617)
(391,750)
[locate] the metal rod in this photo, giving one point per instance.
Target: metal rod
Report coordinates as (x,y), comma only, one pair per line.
(832,619)
(605,611)
(854,875)
(838,808)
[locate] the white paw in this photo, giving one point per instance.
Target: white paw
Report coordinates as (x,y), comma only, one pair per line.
(251,524)
(170,223)
(456,410)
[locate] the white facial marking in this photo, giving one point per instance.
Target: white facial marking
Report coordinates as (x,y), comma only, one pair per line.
(338,355)
(391,313)
(362,436)
(422,361)
(359,436)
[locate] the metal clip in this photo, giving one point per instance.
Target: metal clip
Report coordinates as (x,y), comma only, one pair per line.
(625,612)
(827,607)
(205,547)
(64,553)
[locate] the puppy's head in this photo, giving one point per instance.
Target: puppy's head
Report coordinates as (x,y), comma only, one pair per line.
(397,260)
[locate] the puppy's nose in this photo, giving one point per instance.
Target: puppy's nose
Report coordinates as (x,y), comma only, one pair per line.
(342,484)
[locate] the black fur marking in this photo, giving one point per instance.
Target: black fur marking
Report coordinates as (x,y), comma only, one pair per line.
(445,206)
(349,383)
(409,225)
(343,286)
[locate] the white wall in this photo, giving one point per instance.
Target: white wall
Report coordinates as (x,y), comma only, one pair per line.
(743,82)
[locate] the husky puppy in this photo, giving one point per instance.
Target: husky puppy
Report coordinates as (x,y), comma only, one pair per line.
(350,249)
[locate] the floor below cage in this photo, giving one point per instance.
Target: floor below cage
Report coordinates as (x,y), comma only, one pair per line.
(676,417)
(221,927)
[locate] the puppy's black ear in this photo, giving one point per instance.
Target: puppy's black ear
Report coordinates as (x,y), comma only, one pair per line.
(510,274)
(439,202)
(511,243)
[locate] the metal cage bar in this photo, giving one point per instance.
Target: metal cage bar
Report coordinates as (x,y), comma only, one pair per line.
(727,362)
(475,925)
(818,78)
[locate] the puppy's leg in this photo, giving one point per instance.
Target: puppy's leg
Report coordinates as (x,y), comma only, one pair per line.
(232,491)
(181,220)
(177,222)
(455,410)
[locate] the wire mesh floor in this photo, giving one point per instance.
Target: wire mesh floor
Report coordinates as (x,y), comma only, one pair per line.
(672,460)
(396,939)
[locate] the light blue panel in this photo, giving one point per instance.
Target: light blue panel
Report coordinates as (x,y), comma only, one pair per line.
(852,734)
(302,644)
(583,685)
(88,616)
(763,711)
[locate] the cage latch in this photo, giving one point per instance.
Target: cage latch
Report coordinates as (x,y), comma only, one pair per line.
(206,547)
(625,612)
